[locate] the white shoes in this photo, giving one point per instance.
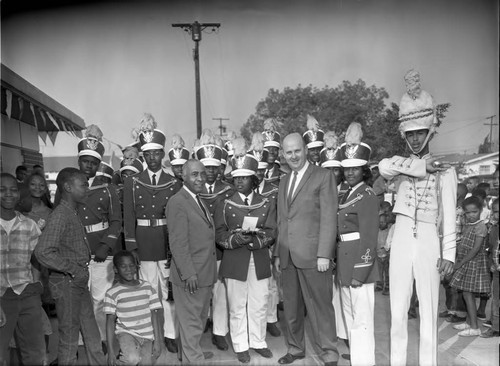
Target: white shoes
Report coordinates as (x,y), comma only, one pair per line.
(461,326)
(470,332)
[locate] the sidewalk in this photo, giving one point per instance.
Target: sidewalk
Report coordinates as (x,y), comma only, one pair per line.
(453,350)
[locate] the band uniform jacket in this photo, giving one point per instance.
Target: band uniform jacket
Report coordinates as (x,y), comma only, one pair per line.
(101,216)
(306,225)
(221,191)
(143,201)
(276,175)
(229,216)
(357,254)
(192,238)
(425,197)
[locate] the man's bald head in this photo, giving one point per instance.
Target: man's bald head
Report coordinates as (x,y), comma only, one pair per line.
(294,150)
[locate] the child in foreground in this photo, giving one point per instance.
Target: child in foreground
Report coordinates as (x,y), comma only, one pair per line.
(131,308)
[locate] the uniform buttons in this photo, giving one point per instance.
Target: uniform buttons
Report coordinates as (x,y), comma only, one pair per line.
(98,208)
(171,189)
(230,207)
(152,205)
(346,214)
(263,214)
(152,215)
(86,217)
(140,197)
(344,226)
(211,205)
(234,215)
(143,215)
(85,208)
(137,187)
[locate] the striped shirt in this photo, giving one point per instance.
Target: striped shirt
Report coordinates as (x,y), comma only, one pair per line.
(16,248)
(132,306)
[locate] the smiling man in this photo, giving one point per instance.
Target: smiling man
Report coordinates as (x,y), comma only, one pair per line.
(424,208)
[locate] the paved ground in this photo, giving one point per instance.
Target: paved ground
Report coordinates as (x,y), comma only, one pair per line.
(453,350)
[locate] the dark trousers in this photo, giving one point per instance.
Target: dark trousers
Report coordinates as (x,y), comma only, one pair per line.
(23,314)
(383,269)
(74,314)
(312,290)
(453,298)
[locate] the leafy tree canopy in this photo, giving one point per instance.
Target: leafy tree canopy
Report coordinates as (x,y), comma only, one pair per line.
(334,109)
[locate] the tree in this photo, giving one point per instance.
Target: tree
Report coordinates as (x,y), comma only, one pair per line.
(335,108)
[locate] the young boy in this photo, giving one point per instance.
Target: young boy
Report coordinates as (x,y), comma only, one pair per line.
(131,307)
(20,290)
(64,249)
(382,254)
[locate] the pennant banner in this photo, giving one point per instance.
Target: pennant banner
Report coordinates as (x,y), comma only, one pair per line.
(34,115)
(53,120)
(8,107)
(20,101)
(52,136)
(43,136)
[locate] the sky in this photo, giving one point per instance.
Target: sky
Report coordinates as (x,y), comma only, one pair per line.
(111,62)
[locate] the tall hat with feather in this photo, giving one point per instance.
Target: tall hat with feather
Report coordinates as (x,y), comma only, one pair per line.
(353,152)
(136,166)
(105,170)
(91,145)
(178,154)
(417,110)
(243,163)
(208,152)
(150,137)
(330,154)
(228,145)
(314,136)
(219,142)
(271,134)
(258,150)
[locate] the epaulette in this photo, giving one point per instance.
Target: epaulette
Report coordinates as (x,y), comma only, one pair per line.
(97,187)
(370,191)
(209,196)
(247,207)
(157,187)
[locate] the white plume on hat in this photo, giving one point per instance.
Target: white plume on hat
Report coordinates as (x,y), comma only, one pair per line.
(257,142)
(177,142)
(135,133)
(354,134)
(148,123)
(312,123)
(331,140)
(271,124)
(207,137)
(218,141)
(196,144)
(239,147)
(231,135)
(94,131)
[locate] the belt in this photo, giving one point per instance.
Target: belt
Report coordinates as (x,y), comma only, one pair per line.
(96,227)
(349,236)
(151,222)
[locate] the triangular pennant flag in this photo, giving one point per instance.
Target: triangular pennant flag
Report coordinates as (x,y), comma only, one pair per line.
(43,136)
(53,120)
(42,113)
(79,134)
(63,125)
(20,101)
(8,107)
(34,115)
(52,136)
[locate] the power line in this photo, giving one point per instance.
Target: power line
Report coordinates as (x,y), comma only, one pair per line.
(491,124)
(222,128)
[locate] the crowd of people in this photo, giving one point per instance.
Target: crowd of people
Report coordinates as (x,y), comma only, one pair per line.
(150,257)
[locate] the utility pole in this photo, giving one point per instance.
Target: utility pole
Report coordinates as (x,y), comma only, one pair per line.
(491,124)
(195,30)
(222,128)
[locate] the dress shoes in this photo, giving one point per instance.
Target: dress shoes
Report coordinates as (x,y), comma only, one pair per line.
(280,306)
(171,345)
(264,352)
(243,357)
(273,329)
(220,342)
(444,314)
(346,356)
(289,358)
(208,355)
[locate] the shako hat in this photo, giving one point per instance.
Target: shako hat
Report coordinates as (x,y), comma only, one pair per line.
(270,133)
(207,152)
(150,137)
(353,152)
(105,170)
(258,151)
(330,154)
(243,163)
(178,154)
(136,166)
(91,145)
(313,137)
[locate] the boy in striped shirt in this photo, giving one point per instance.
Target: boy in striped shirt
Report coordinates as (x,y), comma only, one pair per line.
(131,308)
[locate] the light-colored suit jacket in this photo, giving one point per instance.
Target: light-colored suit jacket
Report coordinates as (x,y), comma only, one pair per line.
(192,241)
(307,226)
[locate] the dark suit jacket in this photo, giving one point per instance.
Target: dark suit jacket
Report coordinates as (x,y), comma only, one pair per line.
(141,201)
(192,241)
(307,227)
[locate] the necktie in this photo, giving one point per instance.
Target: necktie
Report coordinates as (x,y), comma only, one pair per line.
(292,187)
(246,201)
(267,173)
(202,208)
(210,190)
(344,197)
(153,181)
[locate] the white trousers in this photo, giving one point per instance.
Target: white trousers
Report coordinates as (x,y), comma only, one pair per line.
(220,316)
(339,317)
(247,302)
(358,307)
(101,276)
(273,300)
(414,258)
(156,274)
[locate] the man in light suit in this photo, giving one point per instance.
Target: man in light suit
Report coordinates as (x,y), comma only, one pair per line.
(307,216)
(194,265)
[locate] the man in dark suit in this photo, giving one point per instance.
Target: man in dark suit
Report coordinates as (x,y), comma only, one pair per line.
(307,216)
(194,268)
